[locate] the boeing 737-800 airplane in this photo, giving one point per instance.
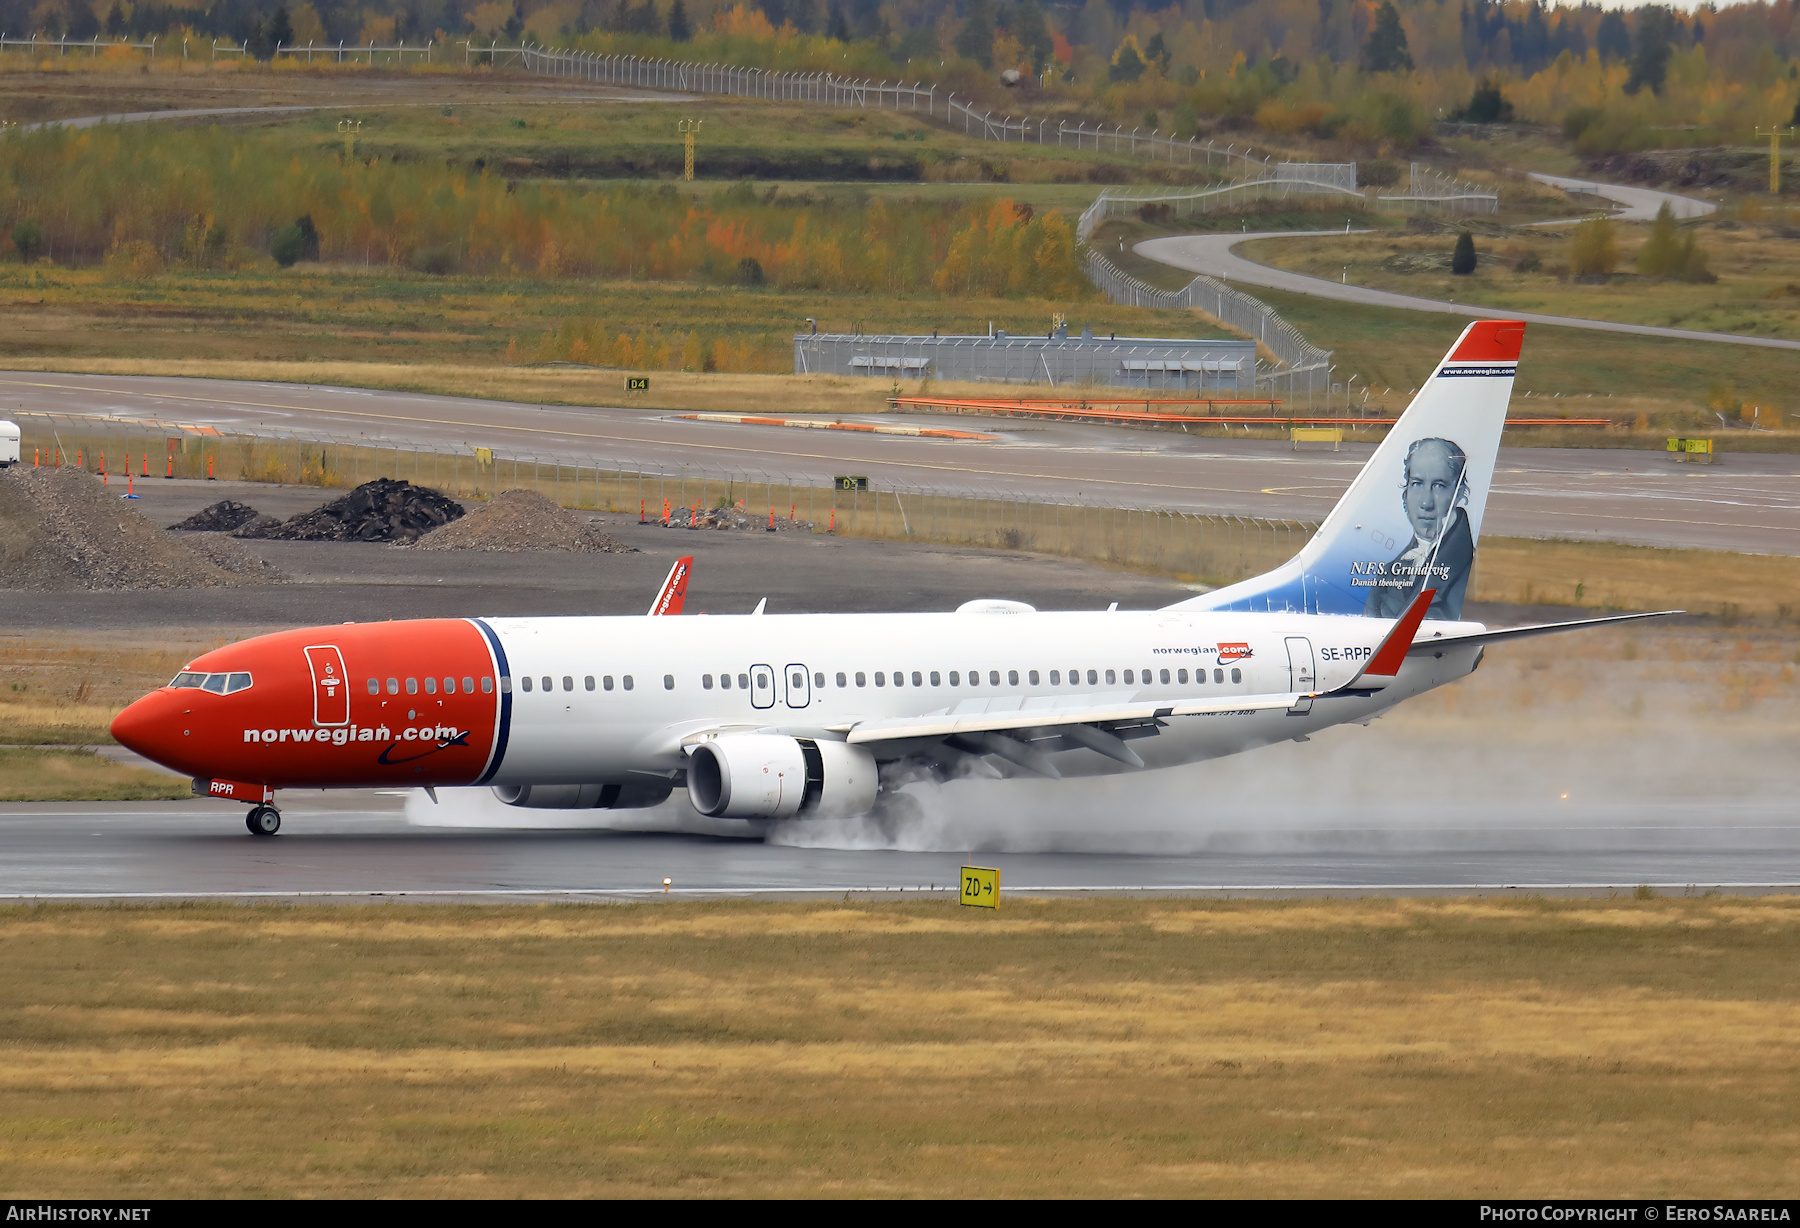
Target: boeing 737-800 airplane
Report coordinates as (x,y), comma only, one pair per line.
(777,716)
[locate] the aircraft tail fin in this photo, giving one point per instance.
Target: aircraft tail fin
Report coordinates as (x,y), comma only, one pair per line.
(1410,520)
(673,593)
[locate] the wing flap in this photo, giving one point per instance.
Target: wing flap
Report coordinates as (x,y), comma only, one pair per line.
(947,726)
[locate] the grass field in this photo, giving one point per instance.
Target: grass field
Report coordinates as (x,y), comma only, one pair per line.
(67,691)
(1757,294)
(347,314)
(1610,1048)
(31,774)
(1389,349)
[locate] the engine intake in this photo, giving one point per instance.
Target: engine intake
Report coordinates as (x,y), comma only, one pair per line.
(633,796)
(771,776)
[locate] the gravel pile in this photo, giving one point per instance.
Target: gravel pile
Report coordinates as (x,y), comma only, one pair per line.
(63,529)
(221,517)
(730,518)
(522,520)
(385,510)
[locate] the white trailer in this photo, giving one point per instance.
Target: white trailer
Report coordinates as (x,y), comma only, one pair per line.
(9,444)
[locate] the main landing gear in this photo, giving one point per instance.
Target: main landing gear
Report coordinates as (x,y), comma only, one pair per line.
(263,820)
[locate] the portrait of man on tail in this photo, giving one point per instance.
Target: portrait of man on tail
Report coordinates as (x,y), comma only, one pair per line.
(1434,492)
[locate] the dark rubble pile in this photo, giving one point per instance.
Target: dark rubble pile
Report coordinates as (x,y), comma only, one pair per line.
(385,510)
(522,520)
(221,517)
(730,518)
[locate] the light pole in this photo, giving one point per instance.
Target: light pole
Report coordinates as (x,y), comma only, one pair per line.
(687,128)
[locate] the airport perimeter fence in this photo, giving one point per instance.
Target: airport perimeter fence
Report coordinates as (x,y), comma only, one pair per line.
(1300,367)
(1211,548)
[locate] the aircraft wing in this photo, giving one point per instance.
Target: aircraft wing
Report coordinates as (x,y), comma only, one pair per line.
(1053,719)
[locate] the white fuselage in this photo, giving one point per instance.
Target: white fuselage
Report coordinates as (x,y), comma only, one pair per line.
(624,693)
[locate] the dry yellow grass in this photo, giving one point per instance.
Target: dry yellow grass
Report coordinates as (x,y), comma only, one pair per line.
(1619,1047)
(1520,571)
(29,774)
(674,390)
(66,689)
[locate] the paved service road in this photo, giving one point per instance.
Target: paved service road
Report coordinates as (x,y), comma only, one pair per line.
(1635,204)
(359,845)
(1213,255)
(1748,502)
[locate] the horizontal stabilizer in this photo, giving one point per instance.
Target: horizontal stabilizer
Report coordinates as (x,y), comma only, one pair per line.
(1519,633)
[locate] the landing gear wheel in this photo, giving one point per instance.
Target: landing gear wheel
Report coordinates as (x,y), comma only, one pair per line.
(263,820)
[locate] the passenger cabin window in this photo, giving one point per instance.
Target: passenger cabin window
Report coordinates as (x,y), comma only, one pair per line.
(1181,676)
(841,680)
(918,678)
(936,680)
(1055,677)
(393,686)
(1218,675)
(724,682)
(568,683)
(668,682)
(862,679)
(819,680)
(450,686)
(1165,677)
(1012,677)
(627,681)
(1109,678)
(1237,675)
(1128,677)
(606,683)
(487,685)
(547,683)
(993,677)
(743,682)
(955,678)
(1032,677)
(880,678)
(525,682)
(762,681)
(506,684)
(1093,678)
(431,686)
(706,682)
(412,686)
(374,686)
(588,682)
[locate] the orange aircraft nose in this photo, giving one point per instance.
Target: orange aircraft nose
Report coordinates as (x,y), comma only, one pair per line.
(153,728)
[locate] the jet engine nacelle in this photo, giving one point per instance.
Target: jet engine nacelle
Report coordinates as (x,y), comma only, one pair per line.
(634,796)
(770,776)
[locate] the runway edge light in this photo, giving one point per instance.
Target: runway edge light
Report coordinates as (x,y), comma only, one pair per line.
(980,887)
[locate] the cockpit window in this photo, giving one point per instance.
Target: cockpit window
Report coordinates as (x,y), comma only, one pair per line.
(218,684)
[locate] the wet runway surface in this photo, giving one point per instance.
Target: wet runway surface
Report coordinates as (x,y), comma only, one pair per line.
(360,846)
(1747,502)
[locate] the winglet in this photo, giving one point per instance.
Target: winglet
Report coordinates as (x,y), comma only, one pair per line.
(1388,658)
(673,593)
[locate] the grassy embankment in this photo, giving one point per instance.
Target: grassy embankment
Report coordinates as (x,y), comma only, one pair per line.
(1609,1048)
(64,696)
(1673,384)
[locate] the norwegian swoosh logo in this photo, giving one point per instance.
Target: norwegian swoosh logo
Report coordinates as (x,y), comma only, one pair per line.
(387,758)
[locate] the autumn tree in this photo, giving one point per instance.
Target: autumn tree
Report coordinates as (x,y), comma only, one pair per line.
(1594,248)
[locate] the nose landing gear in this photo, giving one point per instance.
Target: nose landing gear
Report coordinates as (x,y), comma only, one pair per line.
(263,820)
